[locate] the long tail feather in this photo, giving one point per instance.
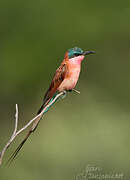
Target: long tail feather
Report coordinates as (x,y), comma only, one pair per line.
(40,110)
(18,148)
(45,103)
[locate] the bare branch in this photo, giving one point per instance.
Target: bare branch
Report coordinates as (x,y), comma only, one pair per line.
(37,119)
(16,121)
(12,137)
(75,90)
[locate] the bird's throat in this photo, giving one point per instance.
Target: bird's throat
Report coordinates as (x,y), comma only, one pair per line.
(77,60)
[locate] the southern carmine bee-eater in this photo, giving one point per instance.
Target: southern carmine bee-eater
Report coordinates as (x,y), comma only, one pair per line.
(65,79)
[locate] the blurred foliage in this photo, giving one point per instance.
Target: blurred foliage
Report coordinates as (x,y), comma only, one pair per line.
(90,128)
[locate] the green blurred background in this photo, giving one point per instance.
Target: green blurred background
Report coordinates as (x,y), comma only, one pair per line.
(90,128)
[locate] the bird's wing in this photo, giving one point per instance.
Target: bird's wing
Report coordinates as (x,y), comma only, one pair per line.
(58,78)
(56,82)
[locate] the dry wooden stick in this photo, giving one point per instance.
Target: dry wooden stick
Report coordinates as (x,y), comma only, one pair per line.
(35,122)
(35,119)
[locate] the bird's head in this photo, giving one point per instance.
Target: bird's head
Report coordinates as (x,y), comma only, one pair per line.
(78,52)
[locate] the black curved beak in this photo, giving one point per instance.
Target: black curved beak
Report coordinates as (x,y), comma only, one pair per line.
(88,52)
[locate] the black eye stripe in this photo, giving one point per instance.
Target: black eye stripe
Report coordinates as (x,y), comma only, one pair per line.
(77,54)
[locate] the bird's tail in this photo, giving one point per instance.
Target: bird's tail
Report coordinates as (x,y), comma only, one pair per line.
(46,102)
(41,108)
(18,148)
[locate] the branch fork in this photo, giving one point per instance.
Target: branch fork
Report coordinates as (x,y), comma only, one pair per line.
(35,120)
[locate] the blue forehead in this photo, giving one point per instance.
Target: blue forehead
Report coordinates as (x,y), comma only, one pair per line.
(74,51)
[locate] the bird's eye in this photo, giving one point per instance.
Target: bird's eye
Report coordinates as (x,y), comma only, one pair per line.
(77,54)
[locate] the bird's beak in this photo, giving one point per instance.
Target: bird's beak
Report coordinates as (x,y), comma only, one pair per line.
(88,52)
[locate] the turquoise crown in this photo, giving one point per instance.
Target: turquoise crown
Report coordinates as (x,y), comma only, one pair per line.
(75,52)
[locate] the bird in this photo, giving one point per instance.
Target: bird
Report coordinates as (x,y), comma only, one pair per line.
(64,79)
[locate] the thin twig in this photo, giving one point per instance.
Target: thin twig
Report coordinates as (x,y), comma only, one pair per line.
(16,121)
(75,90)
(16,133)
